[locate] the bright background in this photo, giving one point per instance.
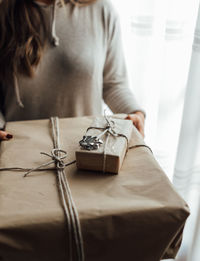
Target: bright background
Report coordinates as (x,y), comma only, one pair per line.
(157,37)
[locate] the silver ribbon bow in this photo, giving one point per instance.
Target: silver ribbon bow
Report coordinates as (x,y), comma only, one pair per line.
(94,142)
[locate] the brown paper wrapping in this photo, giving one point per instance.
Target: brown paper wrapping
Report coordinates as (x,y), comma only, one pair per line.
(136,215)
(114,151)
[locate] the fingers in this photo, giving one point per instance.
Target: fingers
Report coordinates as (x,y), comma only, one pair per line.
(138,122)
(5,136)
(140,127)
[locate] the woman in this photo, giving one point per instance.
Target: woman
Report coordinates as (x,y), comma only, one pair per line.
(60,58)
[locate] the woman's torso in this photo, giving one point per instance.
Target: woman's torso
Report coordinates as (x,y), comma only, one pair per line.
(68,81)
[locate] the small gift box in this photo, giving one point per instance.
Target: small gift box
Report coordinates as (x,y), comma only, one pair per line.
(104,145)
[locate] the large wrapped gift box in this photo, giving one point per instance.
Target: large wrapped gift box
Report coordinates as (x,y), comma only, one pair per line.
(135,215)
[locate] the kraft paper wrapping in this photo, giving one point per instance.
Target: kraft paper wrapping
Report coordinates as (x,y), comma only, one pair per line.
(114,150)
(136,215)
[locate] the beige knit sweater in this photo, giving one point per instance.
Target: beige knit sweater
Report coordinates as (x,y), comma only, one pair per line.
(82,65)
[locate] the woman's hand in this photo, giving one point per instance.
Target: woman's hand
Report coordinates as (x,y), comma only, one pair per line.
(138,119)
(5,136)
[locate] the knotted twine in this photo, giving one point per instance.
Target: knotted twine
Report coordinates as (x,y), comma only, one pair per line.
(57,155)
(109,130)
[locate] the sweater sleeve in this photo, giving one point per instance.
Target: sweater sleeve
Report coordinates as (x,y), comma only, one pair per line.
(116,92)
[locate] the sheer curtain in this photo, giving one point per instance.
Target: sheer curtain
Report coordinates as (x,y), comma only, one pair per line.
(187,167)
(158,39)
(157,36)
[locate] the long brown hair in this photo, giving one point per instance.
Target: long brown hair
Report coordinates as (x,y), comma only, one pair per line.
(22,36)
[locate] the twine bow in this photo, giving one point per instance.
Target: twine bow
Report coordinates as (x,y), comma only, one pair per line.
(108,129)
(58,160)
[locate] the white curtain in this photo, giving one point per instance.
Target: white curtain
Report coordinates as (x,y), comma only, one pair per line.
(158,39)
(187,167)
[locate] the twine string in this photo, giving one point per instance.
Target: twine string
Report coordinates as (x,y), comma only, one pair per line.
(69,205)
